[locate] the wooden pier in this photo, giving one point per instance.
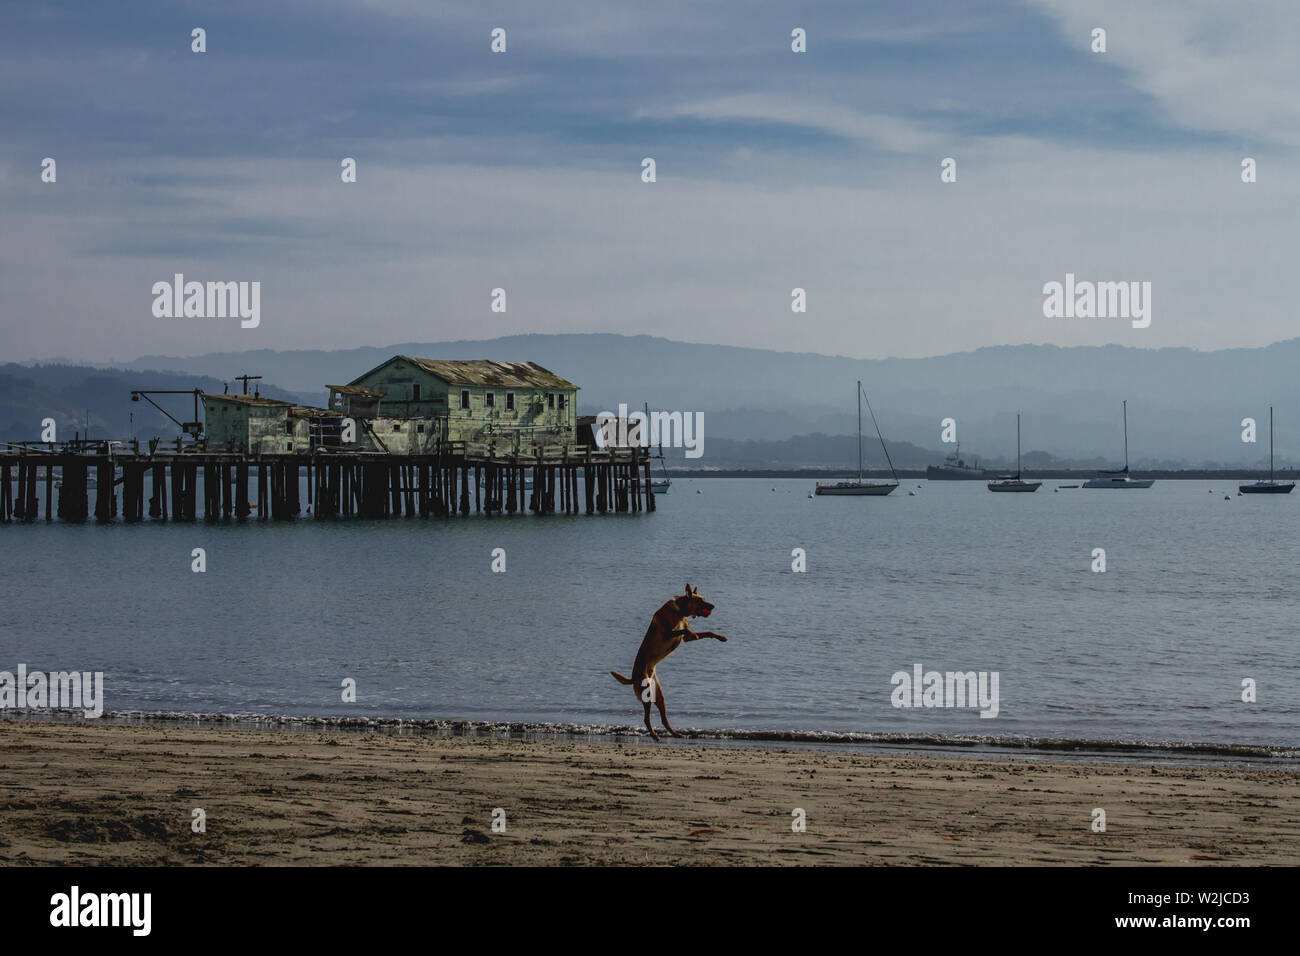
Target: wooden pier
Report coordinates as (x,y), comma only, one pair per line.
(186,483)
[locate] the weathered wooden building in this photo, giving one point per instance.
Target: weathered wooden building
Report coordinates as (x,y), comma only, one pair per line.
(412,403)
(253,425)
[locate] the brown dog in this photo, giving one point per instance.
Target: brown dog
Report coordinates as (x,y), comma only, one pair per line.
(668,628)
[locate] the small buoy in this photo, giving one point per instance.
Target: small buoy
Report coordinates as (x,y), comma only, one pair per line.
(698,492)
(911,494)
(1057,490)
(1211,491)
(1227,497)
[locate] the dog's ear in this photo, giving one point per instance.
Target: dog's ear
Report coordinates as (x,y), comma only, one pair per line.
(688,590)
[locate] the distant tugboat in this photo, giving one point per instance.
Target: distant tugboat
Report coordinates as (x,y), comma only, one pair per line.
(954,468)
(1014,482)
(1120,479)
(1269,487)
(861,487)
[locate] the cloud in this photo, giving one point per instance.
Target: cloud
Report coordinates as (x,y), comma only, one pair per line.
(1215,67)
(880,131)
(522,171)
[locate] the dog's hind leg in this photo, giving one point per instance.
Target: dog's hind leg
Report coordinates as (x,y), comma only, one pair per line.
(647,720)
(663,708)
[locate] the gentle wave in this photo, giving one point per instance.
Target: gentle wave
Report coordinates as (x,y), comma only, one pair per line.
(481,728)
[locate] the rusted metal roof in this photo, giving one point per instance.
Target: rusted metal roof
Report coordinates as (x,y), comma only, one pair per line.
(360,391)
(487,372)
(244,399)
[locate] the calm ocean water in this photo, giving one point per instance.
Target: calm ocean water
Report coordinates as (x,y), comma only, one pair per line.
(1199,593)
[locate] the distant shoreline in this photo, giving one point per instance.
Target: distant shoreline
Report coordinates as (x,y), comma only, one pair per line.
(1064,474)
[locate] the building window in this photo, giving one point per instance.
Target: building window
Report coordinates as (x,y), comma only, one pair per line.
(464,398)
(561,401)
(420,427)
(550,399)
(415,393)
(510,401)
(397,427)
(288,428)
(490,399)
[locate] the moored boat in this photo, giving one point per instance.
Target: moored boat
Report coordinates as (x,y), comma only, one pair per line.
(860,487)
(954,468)
(1014,482)
(1120,478)
(1269,487)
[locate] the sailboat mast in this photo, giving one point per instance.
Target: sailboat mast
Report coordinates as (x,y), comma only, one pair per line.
(1126,437)
(1017,444)
(1270,443)
(859,431)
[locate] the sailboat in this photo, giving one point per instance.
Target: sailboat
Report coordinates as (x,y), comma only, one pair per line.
(1014,482)
(661,486)
(861,487)
(1120,479)
(1269,487)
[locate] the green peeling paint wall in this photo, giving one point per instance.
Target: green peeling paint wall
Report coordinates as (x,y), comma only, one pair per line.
(547,414)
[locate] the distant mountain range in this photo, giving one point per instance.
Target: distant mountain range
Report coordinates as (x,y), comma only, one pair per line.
(782,409)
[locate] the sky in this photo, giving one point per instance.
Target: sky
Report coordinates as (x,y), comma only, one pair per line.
(522,170)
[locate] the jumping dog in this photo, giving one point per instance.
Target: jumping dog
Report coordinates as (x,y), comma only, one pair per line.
(668,628)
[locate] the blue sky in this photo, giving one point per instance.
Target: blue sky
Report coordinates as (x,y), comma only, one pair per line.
(522,171)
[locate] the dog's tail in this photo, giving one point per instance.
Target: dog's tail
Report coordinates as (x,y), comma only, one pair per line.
(620,678)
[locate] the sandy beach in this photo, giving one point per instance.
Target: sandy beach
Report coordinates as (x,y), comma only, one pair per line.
(96,794)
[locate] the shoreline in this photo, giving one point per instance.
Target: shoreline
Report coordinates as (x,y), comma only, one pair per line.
(984,746)
(115,794)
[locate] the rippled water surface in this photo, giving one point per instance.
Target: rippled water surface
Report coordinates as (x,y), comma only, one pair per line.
(1199,594)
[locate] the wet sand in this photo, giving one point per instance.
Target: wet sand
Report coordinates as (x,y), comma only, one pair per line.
(101,794)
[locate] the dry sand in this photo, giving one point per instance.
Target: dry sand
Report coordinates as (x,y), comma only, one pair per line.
(111,794)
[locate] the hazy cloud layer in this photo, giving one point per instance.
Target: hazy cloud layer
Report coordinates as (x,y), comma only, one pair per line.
(775,170)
